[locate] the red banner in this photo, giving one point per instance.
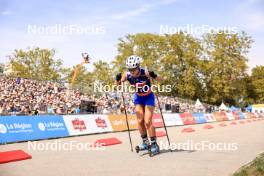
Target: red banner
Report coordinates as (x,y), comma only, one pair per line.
(187,119)
(220,116)
(236,115)
(157,120)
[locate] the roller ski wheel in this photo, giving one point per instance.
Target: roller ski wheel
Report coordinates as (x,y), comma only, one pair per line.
(154,150)
(143,147)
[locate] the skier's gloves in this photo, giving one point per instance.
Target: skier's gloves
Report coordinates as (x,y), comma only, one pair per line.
(118,77)
(152,74)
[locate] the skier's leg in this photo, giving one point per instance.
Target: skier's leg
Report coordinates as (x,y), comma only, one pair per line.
(154,148)
(148,122)
(141,126)
(140,119)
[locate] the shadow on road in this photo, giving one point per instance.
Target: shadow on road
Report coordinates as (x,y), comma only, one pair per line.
(169,151)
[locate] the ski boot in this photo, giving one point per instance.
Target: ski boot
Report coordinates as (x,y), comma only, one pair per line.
(142,147)
(154,149)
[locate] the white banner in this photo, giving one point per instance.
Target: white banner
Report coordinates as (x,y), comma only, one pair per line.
(209,118)
(172,119)
(101,123)
(230,116)
(87,124)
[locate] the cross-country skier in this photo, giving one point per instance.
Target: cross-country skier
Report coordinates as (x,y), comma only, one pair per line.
(144,100)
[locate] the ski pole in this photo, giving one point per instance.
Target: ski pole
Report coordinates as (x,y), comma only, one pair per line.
(163,121)
(131,145)
(157,97)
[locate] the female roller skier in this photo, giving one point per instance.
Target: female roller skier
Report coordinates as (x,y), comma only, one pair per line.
(144,100)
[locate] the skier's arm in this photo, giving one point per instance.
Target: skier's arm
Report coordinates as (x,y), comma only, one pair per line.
(153,75)
(120,78)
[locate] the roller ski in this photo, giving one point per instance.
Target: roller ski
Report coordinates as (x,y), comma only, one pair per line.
(154,149)
(142,147)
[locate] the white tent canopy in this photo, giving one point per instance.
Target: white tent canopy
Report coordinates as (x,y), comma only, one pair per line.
(223,107)
(198,104)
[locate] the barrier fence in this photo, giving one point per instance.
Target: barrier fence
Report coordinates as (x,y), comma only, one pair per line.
(27,128)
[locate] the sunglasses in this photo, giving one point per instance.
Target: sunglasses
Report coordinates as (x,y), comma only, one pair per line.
(132,69)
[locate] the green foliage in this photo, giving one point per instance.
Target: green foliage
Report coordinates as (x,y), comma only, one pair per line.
(254,168)
(2,66)
(213,68)
(36,63)
(225,66)
(85,80)
(257,79)
(103,73)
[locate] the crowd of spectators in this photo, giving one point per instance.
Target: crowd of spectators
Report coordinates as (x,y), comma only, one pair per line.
(20,96)
(25,96)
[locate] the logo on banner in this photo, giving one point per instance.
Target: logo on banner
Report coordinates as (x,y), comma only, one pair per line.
(157,120)
(101,123)
(208,117)
(51,126)
(3,129)
(41,126)
(118,122)
(133,122)
(78,124)
(188,118)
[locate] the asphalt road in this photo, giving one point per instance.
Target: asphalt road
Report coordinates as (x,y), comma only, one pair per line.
(225,150)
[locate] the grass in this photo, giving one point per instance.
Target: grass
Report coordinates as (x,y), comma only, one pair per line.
(254,168)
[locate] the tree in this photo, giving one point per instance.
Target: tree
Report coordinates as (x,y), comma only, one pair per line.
(2,67)
(36,63)
(180,65)
(257,79)
(225,66)
(85,80)
(174,57)
(250,97)
(146,45)
(103,73)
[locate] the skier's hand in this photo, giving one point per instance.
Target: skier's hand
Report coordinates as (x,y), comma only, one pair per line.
(152,74)
(118,78)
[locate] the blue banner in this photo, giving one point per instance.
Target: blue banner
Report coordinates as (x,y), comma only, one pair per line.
(25,128)
(241,115)
(199,117)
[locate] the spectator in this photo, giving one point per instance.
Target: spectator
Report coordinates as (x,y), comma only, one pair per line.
(25,96)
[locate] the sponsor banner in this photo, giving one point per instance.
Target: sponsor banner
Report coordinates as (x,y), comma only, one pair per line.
(87,124)
(241,115)
(25,128)
(118,122)
(230,116)
(261,115)
(250,115)
(256,115)
(247,115)
(101,123)
(236,115)
(172,119)
(51,127)
(187,119)
(209,118)
(199,117)
(157,120)
(78,124)
(220,116)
